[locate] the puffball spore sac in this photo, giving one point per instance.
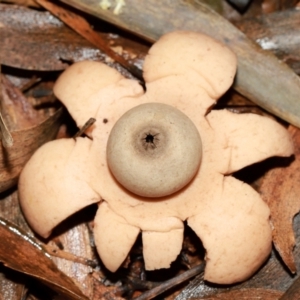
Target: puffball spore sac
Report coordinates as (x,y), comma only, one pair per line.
(154,150)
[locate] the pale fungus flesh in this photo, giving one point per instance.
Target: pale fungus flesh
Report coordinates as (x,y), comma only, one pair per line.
(188,72)
(60,173)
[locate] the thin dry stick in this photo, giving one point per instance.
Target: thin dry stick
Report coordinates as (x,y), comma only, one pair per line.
(6,138)
(34,80)
(54,251)
(87,125)
(171,283)
(82,27)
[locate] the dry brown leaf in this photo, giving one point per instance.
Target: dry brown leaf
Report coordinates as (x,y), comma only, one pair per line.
(23,253)
(12,283)
(30,3)
(26,142)
(245,294)
(82,27)
(28,127)
(23,33)
(281,190)
(78,271)
(16,109)
(22,37)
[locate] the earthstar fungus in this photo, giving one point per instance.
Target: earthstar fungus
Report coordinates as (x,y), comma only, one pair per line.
(185,73)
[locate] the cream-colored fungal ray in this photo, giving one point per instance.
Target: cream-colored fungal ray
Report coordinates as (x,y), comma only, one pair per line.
(211,65)
(160,249)
(235,232)
(179,95)
(114,237)
(54,184)
(77,85)
(250,138)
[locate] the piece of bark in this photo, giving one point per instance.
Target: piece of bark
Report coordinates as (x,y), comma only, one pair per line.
(256,68)
(281,189)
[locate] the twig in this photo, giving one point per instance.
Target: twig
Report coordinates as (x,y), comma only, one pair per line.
(134,284)
(171,283)
(34,80)
(54,251)
(87,125)
(82,27)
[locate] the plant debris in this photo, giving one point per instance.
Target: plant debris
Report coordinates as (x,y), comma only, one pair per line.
(36,46)
(15,249)
(281,189)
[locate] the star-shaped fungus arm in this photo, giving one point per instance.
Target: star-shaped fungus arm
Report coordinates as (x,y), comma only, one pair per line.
(249,138)
(78,86)
(114,237)
(53,184)
(166,246)
(186,65)
(235,232)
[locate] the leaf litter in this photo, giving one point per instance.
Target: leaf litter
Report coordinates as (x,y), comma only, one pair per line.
(278,187)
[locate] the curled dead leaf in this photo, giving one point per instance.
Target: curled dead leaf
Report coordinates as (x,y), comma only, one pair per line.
(29,129)
(26,142)
(15,249)
(281,189)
